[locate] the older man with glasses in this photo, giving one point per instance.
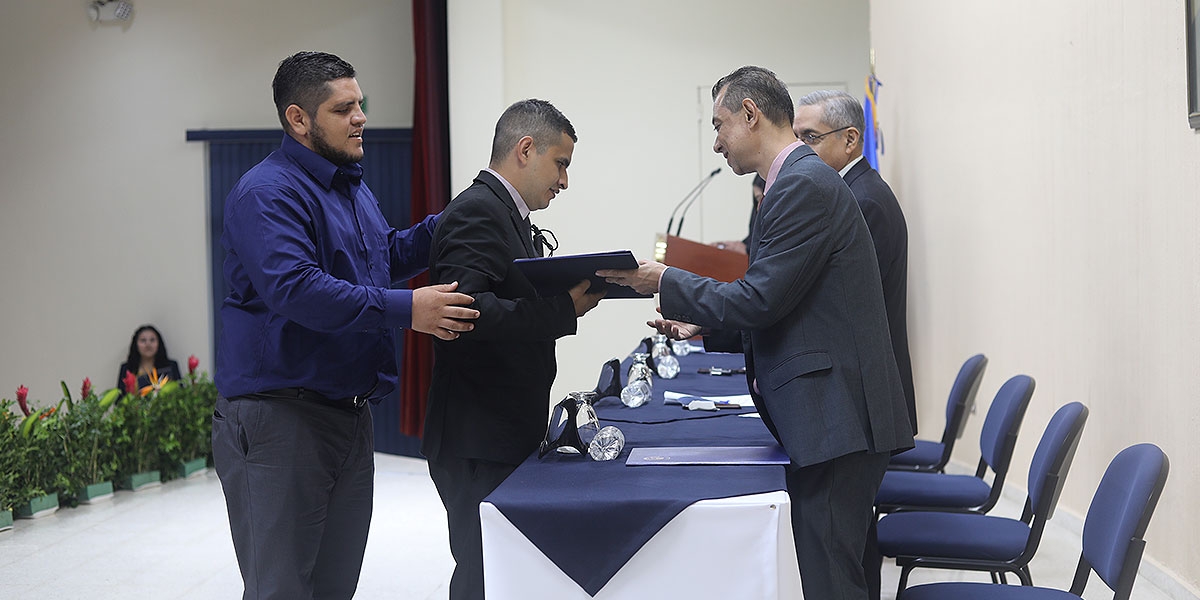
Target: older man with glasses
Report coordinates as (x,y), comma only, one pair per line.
(831,123)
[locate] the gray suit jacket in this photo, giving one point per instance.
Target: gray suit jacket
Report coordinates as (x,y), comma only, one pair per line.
(811,309)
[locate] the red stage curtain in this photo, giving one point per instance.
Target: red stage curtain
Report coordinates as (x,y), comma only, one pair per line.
(430,185)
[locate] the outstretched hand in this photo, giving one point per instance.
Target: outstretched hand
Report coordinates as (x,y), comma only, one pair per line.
(643,280)
(440,311)
(676,330)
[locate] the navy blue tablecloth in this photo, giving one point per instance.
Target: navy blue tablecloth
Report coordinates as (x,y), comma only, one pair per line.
(590,517)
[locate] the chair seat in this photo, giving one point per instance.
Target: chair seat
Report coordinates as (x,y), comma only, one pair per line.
(925,454)
(952,535)
(983,591)
(907,488)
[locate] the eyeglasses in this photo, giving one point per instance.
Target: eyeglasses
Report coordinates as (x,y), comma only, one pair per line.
(539,239)
(812,138)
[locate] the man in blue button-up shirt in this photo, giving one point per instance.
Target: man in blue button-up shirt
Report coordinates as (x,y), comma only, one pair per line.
(308,339)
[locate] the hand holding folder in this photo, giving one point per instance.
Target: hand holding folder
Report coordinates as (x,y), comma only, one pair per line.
(554,275)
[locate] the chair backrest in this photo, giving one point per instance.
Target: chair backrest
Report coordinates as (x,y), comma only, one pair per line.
(962,398)
(1053,457)
(1003,421)
(1120,511)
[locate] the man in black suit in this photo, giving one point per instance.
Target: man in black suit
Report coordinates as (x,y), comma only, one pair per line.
(490,396)
(815,330)
(831,123)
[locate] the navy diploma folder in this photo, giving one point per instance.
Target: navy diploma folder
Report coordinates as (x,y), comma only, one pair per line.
(554,275)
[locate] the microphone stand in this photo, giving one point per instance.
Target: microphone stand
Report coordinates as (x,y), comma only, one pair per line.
(695,190)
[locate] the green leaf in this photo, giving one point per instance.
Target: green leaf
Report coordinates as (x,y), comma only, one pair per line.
(109,397)
(66,393)
(168,387)
(30,423)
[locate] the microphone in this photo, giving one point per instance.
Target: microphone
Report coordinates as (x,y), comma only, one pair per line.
(695,196)
(700,185)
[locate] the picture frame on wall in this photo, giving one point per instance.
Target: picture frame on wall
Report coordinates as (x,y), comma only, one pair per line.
(1193,63)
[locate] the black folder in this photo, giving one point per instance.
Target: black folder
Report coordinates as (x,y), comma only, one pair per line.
(555,275)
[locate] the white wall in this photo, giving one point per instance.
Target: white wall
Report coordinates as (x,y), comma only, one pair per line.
(103,205)
(1042,156)
(633,77)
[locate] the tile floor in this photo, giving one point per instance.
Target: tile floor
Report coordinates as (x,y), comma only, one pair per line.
(173,542)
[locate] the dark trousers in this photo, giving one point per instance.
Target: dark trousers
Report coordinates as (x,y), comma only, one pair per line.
(298,478)
(832,509)
(463,483)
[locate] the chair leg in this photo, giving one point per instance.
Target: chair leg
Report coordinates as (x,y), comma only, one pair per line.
(904,571)
(1003,577)
(995,577)
(1025,577)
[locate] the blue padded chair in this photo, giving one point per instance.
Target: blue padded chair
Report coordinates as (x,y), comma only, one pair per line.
(933,456)
(914,490)
(1113,535)
(975,542)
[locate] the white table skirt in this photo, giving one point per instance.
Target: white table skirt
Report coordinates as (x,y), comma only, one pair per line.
(737,547)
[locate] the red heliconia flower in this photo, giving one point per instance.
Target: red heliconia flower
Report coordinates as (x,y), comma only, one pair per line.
(130,382)
(22,393)
(87,388)
(193,362)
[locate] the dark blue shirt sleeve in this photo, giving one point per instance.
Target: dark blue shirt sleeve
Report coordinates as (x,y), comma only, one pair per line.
(409,249)
(273,233)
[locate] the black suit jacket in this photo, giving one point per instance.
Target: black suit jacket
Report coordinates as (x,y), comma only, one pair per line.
(811,305)
(890,235)
(490,393)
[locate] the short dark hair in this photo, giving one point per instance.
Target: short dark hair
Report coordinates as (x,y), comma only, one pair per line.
(761,86)
(303,79)
(534,118)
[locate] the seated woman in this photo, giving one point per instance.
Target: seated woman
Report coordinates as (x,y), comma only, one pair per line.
(147,356)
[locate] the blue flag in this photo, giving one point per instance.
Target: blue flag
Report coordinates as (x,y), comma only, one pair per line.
(872,145)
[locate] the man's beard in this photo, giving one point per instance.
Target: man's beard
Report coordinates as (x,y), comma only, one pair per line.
(328,152)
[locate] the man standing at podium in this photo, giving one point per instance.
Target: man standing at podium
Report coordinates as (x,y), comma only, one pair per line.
(490,393)
(818,354)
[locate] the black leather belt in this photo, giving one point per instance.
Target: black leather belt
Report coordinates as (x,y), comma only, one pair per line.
(298,393)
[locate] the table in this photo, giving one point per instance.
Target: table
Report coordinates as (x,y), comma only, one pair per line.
(570,527)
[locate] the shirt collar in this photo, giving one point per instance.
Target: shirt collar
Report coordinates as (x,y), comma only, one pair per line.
(318,166)
(522,208)
(849,165)
(778,164)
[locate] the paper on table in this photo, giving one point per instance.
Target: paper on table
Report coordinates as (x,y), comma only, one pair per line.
(708,455)
(742,400)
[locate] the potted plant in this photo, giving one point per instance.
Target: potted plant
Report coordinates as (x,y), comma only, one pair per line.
(11,454)
(135,433)
(39,467)
(93,461)
(193,422)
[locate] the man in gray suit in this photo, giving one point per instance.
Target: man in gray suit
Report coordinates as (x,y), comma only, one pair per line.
(815,333)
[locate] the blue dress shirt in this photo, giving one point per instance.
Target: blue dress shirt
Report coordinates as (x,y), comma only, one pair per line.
(310,264)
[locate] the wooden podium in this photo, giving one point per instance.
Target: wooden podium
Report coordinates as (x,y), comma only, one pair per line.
(701,259)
